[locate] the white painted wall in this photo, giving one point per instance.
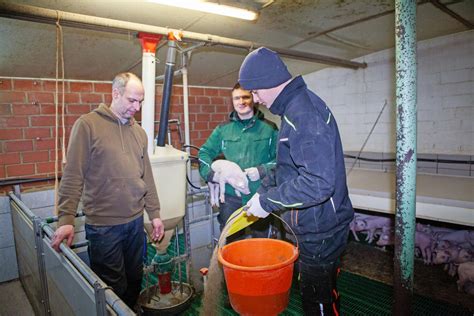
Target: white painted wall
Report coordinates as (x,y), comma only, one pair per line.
(445,97)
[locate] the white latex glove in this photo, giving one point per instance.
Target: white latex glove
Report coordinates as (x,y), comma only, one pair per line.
(252,173)
(213,193)
(230,172)
(254,208)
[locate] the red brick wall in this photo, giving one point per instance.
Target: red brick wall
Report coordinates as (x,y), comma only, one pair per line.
(27,119)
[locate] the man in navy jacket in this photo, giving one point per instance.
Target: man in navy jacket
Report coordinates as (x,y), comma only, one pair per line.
(308,186)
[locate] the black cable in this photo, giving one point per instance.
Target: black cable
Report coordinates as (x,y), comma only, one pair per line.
(464,162)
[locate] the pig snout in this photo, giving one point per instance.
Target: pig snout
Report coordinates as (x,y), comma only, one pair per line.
(442,244)
(466,274)
(465,255)
(440,256)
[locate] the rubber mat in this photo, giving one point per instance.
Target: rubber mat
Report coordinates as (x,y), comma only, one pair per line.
(360,296)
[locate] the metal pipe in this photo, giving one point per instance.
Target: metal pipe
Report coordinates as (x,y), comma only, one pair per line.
(176,73)
(167,86)
(187,137)
(148,79)
(22,206)
(42,15)
(53,219)
(405,204)
(453,14)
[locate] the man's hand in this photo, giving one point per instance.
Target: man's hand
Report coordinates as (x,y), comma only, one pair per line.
(252,173)
(61,233)
(213,193)
(158,229)
(254,208)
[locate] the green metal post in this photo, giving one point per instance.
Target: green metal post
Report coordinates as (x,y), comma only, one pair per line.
(405,38)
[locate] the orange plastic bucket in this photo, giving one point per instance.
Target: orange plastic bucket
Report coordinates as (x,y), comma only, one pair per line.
(258,274)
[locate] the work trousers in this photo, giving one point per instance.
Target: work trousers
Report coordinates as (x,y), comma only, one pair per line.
(319,267)
(116,256)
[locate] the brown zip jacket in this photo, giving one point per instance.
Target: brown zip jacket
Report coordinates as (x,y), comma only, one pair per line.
(108,165)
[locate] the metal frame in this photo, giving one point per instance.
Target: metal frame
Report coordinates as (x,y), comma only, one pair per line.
(106,301)
(41,265)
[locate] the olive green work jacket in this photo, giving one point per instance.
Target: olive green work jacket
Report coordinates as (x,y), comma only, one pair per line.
(248,143)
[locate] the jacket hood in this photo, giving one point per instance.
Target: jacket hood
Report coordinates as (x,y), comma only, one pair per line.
(107,113)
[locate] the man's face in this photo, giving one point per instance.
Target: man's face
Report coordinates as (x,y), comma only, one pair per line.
(243,103)
(126,105)
(265,96)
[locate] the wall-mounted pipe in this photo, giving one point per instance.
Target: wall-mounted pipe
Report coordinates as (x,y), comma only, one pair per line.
(453,14)
(405,204)
(187,137)
(167,86)
(42,15)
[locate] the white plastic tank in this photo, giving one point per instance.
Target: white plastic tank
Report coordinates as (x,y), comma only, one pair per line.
(169,172)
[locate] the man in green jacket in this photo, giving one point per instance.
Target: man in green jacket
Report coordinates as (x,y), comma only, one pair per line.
(248,140)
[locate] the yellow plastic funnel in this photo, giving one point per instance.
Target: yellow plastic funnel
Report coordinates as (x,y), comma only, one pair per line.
(239,220)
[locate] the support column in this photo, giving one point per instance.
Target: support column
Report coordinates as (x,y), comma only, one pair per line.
(405,38)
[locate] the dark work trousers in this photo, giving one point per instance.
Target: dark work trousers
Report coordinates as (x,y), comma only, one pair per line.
(116,256)
(319,267)
(259,229)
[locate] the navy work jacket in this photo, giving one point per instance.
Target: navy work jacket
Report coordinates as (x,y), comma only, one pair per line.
(309,184)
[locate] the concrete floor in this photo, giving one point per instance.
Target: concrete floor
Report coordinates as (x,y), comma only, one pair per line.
(13,300)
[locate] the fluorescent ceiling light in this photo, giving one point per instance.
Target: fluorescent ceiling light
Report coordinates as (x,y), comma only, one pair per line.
(210,7)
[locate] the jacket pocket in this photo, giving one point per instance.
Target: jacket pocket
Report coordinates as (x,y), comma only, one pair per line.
(120,197)
(314,220)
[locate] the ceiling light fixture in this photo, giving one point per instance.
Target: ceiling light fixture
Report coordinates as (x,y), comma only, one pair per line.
(210,7)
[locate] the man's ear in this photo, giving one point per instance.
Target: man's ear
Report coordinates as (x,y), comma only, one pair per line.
(115,93)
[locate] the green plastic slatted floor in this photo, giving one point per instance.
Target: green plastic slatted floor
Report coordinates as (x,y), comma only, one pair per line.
(359,296)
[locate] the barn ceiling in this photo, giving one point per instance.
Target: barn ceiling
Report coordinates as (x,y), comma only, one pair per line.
(344,29)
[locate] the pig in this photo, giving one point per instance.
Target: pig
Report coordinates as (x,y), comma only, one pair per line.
(456,237)
(387,237)
(357,216)
(423,242)
(466,277)
(465,255)
(442,244)
(371,225)
(428,229)
(446,255)
(230,172)
(452,257)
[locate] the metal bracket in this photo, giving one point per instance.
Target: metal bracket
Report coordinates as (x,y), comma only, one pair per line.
(100,303)
(17,190)
(38,231)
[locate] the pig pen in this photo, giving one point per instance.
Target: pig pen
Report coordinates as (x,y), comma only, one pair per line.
(443,200)
(430,281)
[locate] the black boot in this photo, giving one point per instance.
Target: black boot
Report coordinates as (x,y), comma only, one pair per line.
(318,289)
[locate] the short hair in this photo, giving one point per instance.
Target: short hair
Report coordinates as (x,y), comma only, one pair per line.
(120,81)
(237,86)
